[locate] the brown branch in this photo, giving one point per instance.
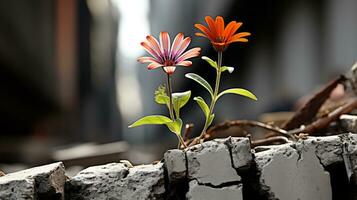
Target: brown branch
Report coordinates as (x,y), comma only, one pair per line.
(239,123)
(323,123)
(269,141)
(186,133)
(2,173)
(307,113)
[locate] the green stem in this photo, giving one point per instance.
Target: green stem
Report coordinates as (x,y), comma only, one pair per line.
(172,116)
(169,91)
(215,93)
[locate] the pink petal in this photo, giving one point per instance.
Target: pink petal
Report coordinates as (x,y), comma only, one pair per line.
(154,65)
(185,63)
(165,43)
(150,50)
(170,69)
(147,60)
(176,44)
(154,44)
(189,54)
(182,48)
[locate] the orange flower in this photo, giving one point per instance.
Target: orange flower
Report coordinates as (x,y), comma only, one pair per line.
(219,36)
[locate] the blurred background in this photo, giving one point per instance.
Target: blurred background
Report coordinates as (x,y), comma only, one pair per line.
(70,83)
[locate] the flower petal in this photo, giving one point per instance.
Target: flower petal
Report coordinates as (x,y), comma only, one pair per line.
(176,44)
(150,50)
(154,65)
(212,26)
(219,26)
(233,30)
(147,60)
(183,47)
(201,35)
(238,36)
(185,63)
(228,29)
(154,43)
(165,43)
(205,31)
(189,54)
(169,69)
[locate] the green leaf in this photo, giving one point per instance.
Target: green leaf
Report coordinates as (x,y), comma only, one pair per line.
(161,96)
(201,81)
(238,91)
(151,119)
(226,68)
(210,120)
(201,102)
(175,126)
(179,100)
(210,61)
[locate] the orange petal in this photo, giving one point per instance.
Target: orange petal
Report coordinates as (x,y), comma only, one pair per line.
(239,35)
(201,35)
(212,26)
(228,29)
(233,30)
(205,31)
(219,26)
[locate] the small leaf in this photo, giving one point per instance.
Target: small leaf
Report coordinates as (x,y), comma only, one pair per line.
(151,119)
(226,68)
(201,81)
(210,120)
(238,91)
(162,99)
(210,61)
(161,96)
(179,100)
(201,102)
(175,126)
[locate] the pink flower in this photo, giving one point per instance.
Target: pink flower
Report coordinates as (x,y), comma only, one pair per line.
(166,56)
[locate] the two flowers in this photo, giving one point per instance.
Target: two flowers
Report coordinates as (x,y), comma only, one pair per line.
(168,57)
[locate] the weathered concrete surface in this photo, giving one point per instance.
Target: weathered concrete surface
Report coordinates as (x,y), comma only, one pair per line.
(350,156)
(288,173)
(210,163)
(175,163)
(17,189)
(202,192)
(44,182)
(349,123)
(116,181)
(241,152)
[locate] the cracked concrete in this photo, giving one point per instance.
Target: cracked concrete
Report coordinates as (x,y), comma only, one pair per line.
(116,181)
(203,192)
(210,162)
(212,170)
(288,173)
(43,182)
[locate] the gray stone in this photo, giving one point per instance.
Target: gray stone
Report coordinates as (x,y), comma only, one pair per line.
(17,189)
(349,123)
(241,152)
(44,182)
(328,149)
(211,163)
(175,162)
(288,173)
(203,192)
(350,155)
(116,181)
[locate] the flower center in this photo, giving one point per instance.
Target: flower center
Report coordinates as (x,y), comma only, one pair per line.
(169,63)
